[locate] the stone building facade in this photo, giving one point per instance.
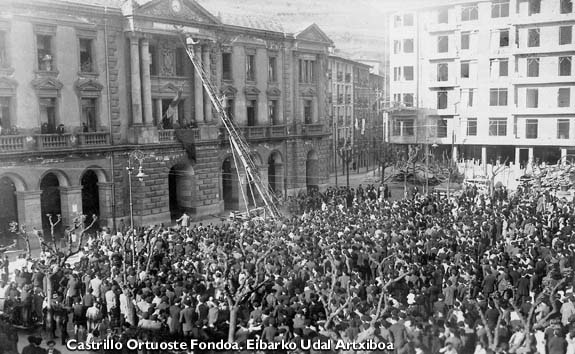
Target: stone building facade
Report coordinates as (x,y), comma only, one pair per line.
(89,88)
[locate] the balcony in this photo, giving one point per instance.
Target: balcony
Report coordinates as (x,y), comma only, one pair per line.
(53,141)
(94,139)
(313,129)
(257,132)
(166,135)
(277,131)
(12,143)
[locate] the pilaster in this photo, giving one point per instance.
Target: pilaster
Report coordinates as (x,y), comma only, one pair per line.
(135,80)
(198,89)
(146,83)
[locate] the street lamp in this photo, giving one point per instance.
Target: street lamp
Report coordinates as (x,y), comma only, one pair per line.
(139,156)
(346,152)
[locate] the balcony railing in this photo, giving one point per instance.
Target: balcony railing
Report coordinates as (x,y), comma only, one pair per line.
(94,139)
(254,132)
(313,129)
(166,135)
(53,141)
(277,131)
(9,143)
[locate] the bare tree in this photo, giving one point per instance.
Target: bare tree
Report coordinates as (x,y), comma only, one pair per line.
(58,259)
(238,295)
(496,170)
(20,231)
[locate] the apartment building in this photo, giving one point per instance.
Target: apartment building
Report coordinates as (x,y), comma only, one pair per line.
(86,90)
(356,117)
(485,80)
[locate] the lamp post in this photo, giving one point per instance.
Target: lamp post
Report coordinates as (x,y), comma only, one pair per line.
(134,155)
(346,152)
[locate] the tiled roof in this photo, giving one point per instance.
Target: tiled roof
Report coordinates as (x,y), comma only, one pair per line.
(251,21)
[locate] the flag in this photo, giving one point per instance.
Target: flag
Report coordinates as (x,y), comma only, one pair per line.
(356,124)
(363,126)
(171,111)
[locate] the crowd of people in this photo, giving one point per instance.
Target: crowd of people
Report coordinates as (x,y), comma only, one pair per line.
(474,273)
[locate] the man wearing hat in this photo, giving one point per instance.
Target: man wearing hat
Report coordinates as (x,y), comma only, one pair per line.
(33,346)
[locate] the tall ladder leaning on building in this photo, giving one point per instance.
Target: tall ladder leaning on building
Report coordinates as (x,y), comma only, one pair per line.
(239,145)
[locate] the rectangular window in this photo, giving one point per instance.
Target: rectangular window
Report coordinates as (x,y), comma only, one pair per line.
(565,35)
(498,97)
(534,7)
(503,67)
(465,70)
(531,128)
(307,112)
(307,72)
(563,127)
(251,110)
(471,126)
(272,69)
(396,47)
(397,98)
(443,15)
(408,45)
(408,73)
(48,115)
(273,112)
(533,67)
(504,38)
(181,61)
(442,128)
(251,67)
(227,66)
(564,66)
(470,97)
(408,99)
(564,97)
(465,40)
(442,44)
(3,50)
(469,13)
(45,55)
(89,114)
(497,126)
(230,108)
(533,37)
(532,98)
(86,58)
(408,20)
(153,52)
(566,6)
(397,21)
(403,127)
(500,8)
(396,73)
(442,100)
(442,72)
(5,118)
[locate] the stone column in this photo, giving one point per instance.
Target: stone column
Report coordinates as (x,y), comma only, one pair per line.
(135,80)
(30,209)
(71,203)
(198,89)
(146,83)
(484,155)
(105,190)
(563,156)
(531,158)
(207,68)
